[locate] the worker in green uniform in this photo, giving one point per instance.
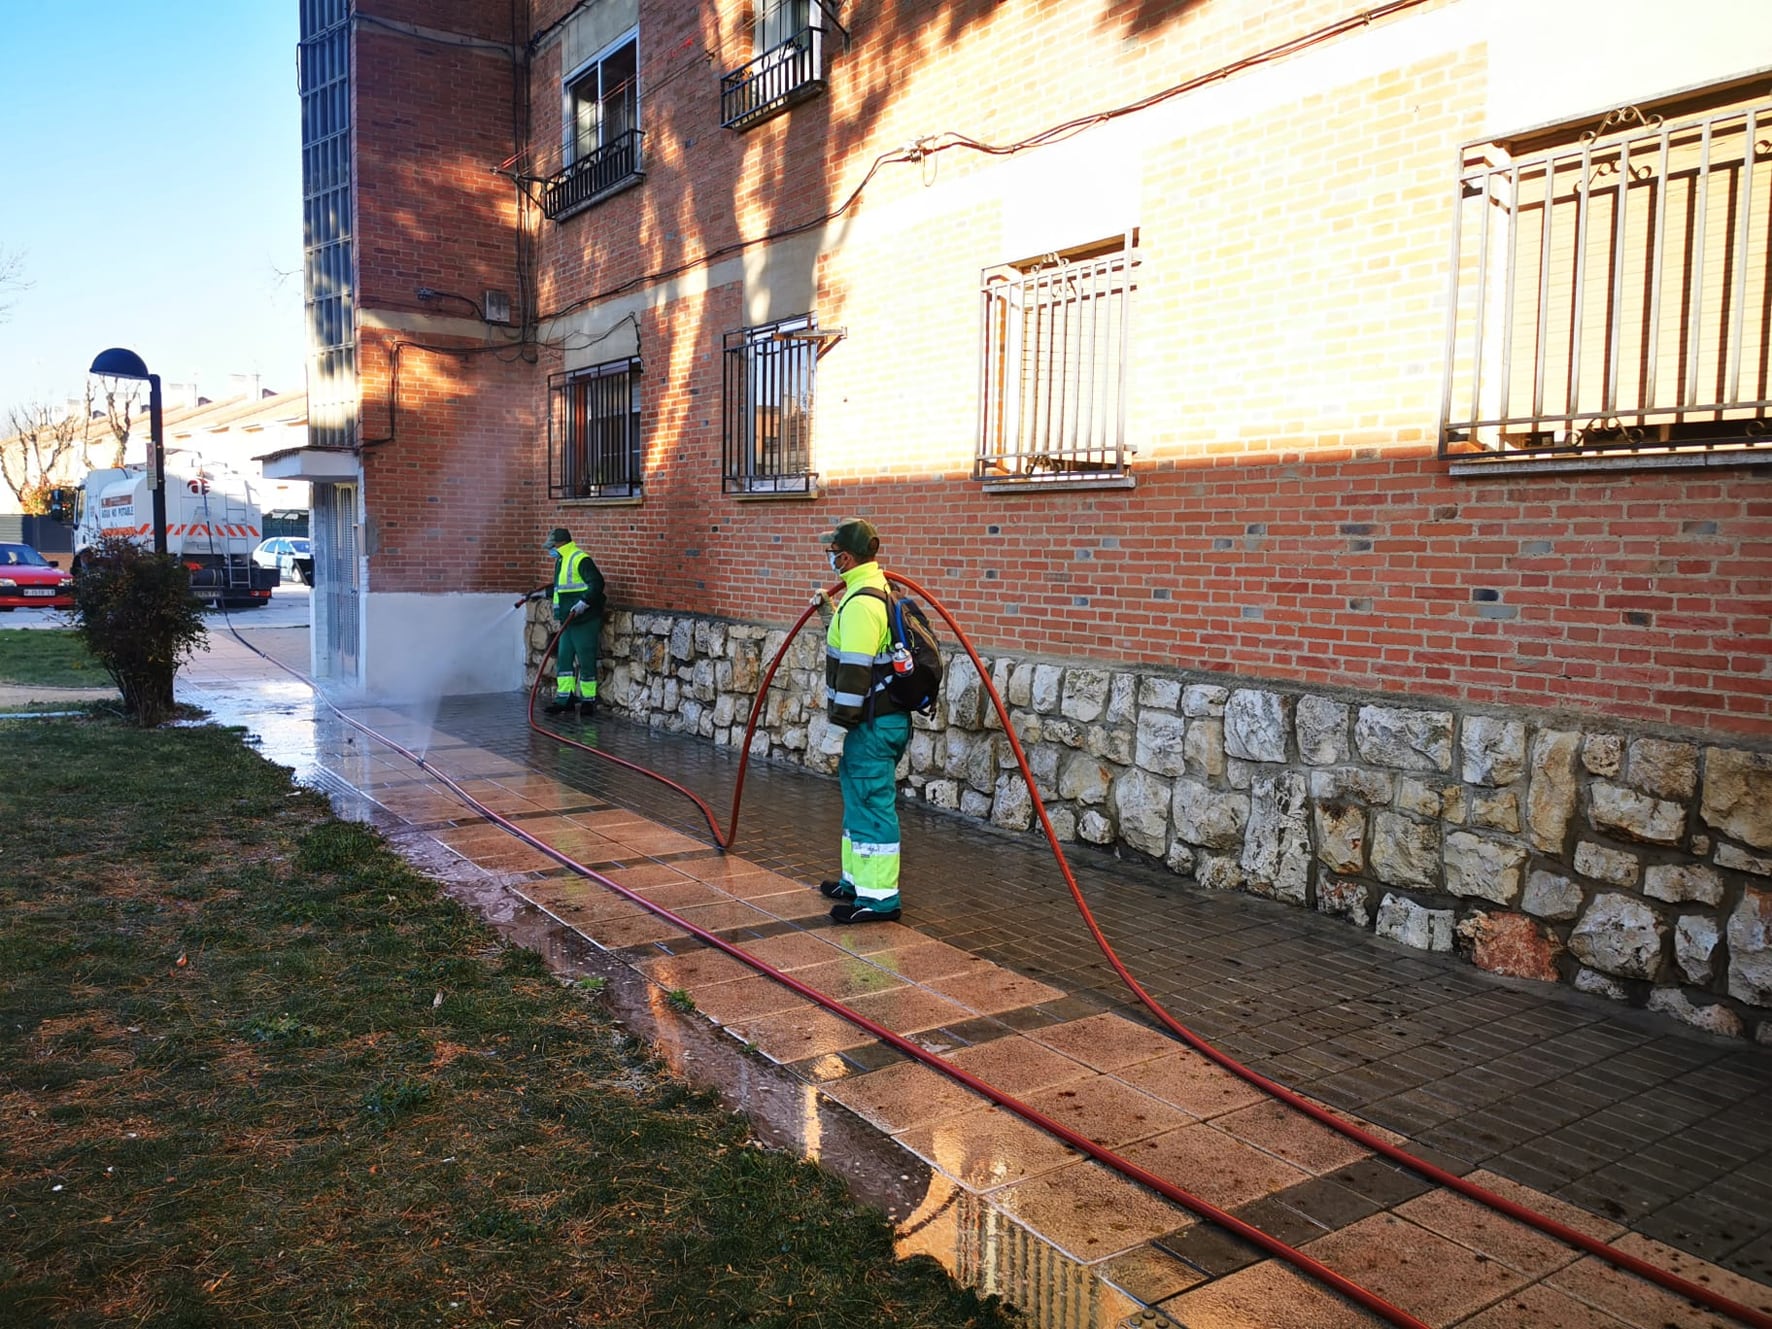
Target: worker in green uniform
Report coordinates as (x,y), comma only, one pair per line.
(579,605)
(858,661)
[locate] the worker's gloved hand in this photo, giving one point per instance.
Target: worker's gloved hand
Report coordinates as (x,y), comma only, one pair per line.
(821,601)
(576,610)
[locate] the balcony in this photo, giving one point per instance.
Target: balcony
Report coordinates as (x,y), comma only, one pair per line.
(782,76)
(594,177)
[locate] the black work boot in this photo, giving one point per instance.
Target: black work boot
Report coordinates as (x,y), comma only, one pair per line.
(559,705)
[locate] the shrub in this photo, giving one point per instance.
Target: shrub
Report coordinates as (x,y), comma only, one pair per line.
(134,610)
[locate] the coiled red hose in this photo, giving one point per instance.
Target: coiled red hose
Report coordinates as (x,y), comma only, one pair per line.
(1470,1190)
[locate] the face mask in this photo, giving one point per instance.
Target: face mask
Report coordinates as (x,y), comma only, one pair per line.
(834,557)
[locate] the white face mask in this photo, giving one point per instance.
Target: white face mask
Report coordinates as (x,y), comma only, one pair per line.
(834,556)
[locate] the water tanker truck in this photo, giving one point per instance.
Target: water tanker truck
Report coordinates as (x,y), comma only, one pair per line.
(213,523)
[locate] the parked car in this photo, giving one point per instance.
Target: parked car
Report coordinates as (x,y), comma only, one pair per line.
(30,581)
(291,555)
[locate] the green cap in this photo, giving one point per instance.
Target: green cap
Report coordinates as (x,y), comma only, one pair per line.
(853,535)
(559,536)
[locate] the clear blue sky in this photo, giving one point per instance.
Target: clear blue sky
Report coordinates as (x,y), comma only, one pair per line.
(150,181)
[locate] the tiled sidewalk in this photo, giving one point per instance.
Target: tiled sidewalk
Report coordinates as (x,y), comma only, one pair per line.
(1663,1133)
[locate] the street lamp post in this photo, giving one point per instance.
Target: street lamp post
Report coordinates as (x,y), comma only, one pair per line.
(120,363)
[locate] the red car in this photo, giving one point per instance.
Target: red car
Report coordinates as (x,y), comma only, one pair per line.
(30,581)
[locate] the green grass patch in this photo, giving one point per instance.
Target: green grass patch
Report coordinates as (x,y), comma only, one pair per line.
(49,657)
(230,1095)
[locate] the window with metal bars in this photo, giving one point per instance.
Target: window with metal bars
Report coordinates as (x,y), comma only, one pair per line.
(1056,345)
(1609,291)
(601,153)
(594,432)
(767,408)
(788,68)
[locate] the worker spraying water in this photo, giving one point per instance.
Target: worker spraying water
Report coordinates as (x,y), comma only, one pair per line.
(579,605)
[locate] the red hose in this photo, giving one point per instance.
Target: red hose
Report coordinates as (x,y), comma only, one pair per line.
(1470,1190)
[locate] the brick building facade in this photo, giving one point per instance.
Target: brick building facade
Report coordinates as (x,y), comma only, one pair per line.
(1384,359)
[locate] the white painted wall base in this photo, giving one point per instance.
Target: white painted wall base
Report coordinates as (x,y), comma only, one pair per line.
(423,646)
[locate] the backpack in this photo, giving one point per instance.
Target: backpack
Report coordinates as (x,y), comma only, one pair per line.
(914,688)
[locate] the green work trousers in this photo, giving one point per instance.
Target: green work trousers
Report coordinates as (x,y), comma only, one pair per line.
(868,774)
(575,658)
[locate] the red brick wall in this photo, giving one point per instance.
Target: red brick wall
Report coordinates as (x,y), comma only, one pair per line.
(1290,519)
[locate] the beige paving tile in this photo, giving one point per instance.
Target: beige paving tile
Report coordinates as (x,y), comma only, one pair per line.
(991,990)
(693,968)
(737,876)
(745,999)
(930,960)
(647,838)
(1107,1110)
(1019,1065)
(615,933)
(987,1148)
(902,1095)
(581,901)
(1541,1307)
(1107,1042)
(638,876)
(1435,1280)
(1636,1301)
(1694,1270)
(791,906)
(796,1035)
(1602,1229)
(1479,1228)
(1214,1166)
(907,1010)
(1193,1084)
(1150,1274)
(871,938)
(1088,1211)
(792,950)
(847,976)
(1269,1295)
(676,894)
(1283,1132)
(723,916)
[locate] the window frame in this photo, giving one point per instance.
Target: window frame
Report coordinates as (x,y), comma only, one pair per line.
(581,465)
(1040,427)
(763,355)
(1590,331)
(591,172)
(788,64)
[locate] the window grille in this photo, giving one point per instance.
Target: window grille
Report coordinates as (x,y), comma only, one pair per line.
(1057,352)
(1609,293)
(788,69)
(594,432)
(323,63)
(603,136)
(767,408)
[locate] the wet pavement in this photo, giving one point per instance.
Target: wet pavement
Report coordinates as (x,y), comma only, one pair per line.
(1634,1129)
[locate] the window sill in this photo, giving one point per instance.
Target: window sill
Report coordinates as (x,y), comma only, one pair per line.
(1044,483)
(1469,467)
(808,490)
(598,501)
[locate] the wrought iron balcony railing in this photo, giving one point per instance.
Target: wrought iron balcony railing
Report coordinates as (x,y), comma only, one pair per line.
(594,176)
(781,77)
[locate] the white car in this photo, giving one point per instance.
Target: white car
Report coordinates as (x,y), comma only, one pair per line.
(291,555)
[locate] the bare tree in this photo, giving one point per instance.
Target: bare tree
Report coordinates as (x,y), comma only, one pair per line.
(123,399)
(12,280)
(43,448)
